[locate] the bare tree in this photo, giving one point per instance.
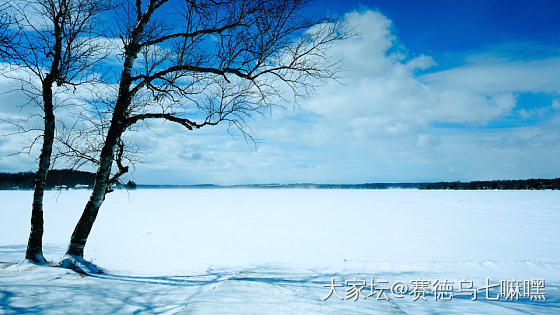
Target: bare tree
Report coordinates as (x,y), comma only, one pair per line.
(6,36)
(52,45)
(80,143)
(209,62)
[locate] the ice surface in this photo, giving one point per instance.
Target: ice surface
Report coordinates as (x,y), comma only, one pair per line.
(250,251)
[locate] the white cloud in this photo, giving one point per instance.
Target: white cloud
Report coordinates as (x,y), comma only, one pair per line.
(501,76)
(556,104)
(421,63)
(382,95)
(378,125)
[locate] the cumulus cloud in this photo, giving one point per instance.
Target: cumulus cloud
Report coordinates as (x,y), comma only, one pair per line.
(382,95)
(393,116)
(377,122)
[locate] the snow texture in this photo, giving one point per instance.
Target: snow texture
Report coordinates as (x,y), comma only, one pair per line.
(251,251)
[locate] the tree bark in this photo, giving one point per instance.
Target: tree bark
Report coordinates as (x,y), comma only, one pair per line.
(34,250)
(35,243)
(84,225)
(118,125)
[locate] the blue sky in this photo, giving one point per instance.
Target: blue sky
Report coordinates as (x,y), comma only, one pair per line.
(436,27)
(432,90)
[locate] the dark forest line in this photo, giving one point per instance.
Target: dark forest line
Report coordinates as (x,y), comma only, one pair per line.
(521,184)
(79,179)
(55,179)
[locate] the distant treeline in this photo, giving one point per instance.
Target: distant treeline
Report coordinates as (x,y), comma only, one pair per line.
(79,179)
(291,186)
(335,186)
(55,179)
(522,184)
(478,185)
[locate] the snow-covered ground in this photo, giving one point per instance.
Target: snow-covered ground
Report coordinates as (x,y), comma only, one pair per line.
(249,251)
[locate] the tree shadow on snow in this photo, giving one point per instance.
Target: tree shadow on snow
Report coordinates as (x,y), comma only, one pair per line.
(26,288)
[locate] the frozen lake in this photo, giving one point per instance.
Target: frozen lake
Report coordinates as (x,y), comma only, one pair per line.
(273,251)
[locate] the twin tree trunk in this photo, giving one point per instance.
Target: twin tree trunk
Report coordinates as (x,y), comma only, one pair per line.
(35,244)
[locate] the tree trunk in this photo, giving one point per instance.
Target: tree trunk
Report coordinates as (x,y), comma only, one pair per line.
(118,125)
(84,225)
(35,244)
(101,185)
